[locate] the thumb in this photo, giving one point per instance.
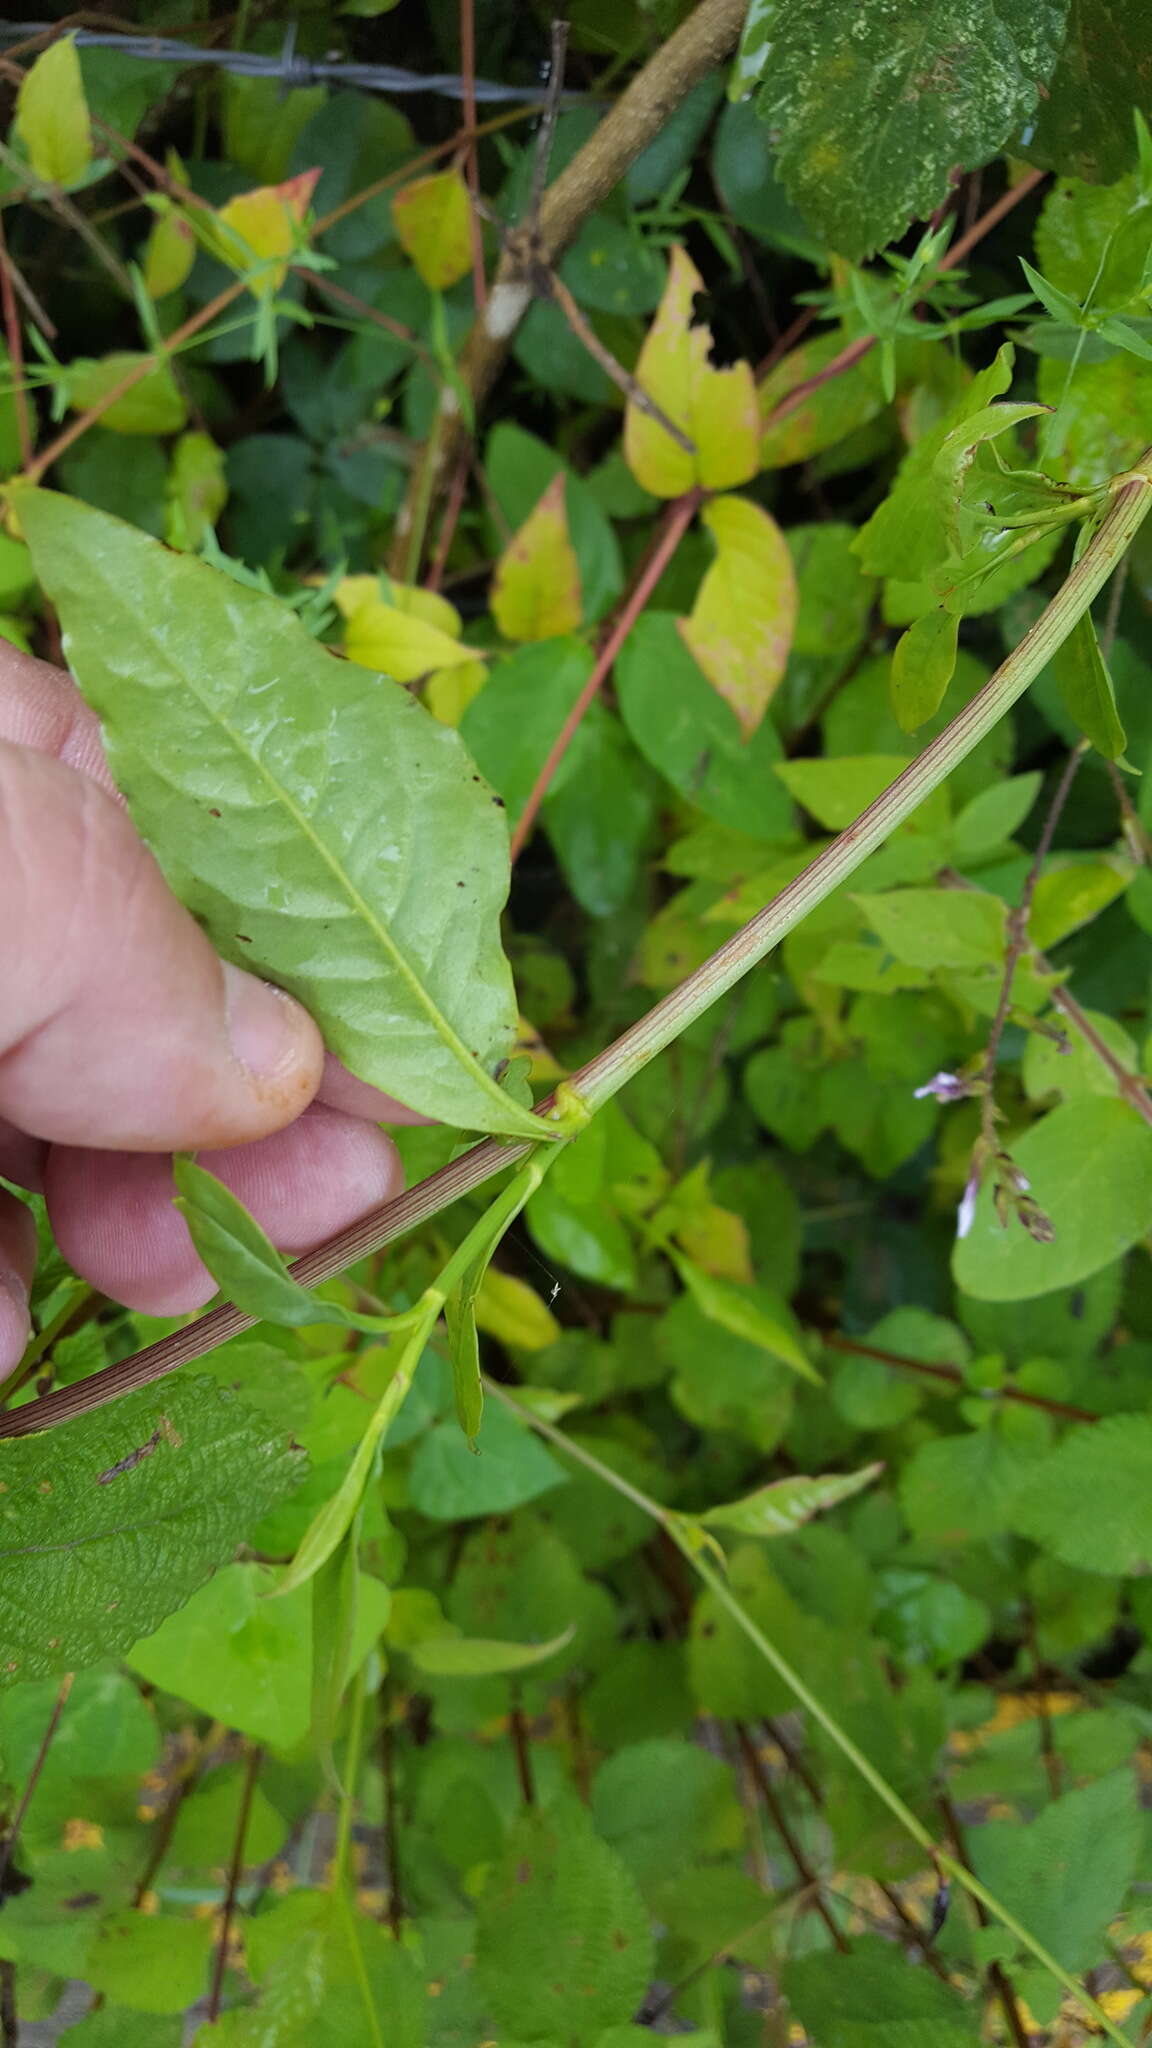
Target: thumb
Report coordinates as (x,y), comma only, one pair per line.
(120,1027)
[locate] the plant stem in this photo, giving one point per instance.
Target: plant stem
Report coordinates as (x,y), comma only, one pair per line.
(680,1531)
(602,1078)
(252,1765)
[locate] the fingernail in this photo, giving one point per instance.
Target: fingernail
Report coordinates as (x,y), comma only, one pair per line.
(264,1024)
(15,1323)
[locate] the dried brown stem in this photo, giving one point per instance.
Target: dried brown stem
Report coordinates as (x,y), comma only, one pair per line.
(623,379)
(783,1826)
(235,1872)
(46,1740)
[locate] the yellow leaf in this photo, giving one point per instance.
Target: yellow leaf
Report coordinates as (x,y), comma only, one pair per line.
(509,1310)
(449,691)
(264,224)
(169,253)
(352,593)
(717,1240)
(536,588)
(432,220)
(196,492)
(741,625)
(52,115)
(716,408)
(381,636)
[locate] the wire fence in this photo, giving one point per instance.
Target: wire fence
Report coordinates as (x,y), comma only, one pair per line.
(290,69)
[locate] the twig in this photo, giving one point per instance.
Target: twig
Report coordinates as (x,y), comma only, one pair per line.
(790,1839)
(453,507)
(695,48)
(235,1872)
(161,1838)
(8,1850)
(15,339)
(391,1831)
(471,159)
(675,525)
(951,1377)
(1017,937)
(521,1750)
(556,289)
(915,1932)
(602,1077)
(998,1977)
(9,2018)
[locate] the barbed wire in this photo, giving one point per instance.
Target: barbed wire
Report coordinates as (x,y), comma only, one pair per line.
(289,68)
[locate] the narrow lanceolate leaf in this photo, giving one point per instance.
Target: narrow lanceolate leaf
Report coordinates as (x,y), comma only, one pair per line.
(536,588)
(326,831)
(922,666)
(1086,687)
(108,1524)
(741,625)
(788,1503)
(874,104)
(52,115)
(717,409)
(245,1263)
(754,1313)
(481,1657)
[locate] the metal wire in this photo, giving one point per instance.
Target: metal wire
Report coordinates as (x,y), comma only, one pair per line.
(290,69)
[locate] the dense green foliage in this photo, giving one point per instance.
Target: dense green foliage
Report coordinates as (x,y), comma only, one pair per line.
(797,1557)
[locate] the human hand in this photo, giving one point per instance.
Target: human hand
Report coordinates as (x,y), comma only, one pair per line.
(124,1038)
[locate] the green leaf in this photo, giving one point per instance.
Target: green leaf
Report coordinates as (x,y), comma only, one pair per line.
(692,737)
(994,815)
(1084,121)
(1086,689)
(153,405)
(922,667)
(244,1262)
(431,216)
(335,1591)
(450,1481)
(663,1804)
(835,792)
(958,1490)
(1090,1169)
(907,536)
(252,760)
(751,1312)
(872,1999)
(151,1962)
(52,115)
(561,1930)
(786,1504)
(959,928)
(1065,1874)
(929,1620)
(511,725)
(1089,1502)
(874,108)
(474,1657)
(111,1522)
(247,1660)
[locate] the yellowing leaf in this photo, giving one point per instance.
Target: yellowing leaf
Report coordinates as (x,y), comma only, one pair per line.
(263,224)
(449,691)
(352,593)
(52,115)
(432,220)
(169,253)
(742,622)
(922,667)
(543,1064)
(717,409)
(153,405)
(536,588)
(381,636)
(716,1239)
(509,1309)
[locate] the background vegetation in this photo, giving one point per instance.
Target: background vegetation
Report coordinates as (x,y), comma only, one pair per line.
(526,1761)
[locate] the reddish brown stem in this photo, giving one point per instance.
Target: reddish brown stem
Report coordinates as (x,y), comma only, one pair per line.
(676,522)
(521,1750)
(15,340)
(788,1836)
(235,1871)
(21,1813)
(951,1377)
(452,510)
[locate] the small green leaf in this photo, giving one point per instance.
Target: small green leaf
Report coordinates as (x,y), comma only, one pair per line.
(922,667)
(929,928)
(1086,689)
(252,757)
(334,1613)
(474,1657)
(153,405)
(244,1262)
(109,1523)
(753,1313)
(52,115)
(786,1504)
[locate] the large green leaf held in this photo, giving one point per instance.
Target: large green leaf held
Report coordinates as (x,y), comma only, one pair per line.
(323,827)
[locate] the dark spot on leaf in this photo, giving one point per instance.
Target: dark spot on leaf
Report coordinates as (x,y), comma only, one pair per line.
(81,1901)
(499,801)
(212,813)
(244,939)
(524,1873)
(1076,1305)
